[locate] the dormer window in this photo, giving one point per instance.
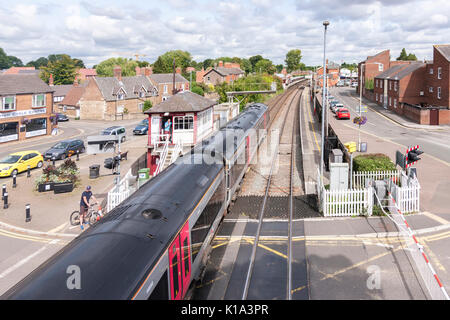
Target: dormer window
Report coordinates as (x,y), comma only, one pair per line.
(120,96)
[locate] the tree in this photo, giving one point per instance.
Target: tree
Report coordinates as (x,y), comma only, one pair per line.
(7,62)
(164,63)
(41,62)
(246,65)
(279,67)
(106,68)
(292,60)
(208,63)
(406,57)
(265,66)
(147,105)
(254,60)
(63,70)
(198,90)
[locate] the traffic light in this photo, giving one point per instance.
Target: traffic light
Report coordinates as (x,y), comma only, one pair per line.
(413,156)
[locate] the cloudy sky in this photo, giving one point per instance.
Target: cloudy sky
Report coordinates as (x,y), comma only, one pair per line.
(97,30)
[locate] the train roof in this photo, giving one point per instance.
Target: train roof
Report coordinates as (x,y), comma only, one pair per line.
(228,138)
(115,255)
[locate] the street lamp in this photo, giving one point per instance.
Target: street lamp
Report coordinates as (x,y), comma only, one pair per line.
(360,100)
(325,24)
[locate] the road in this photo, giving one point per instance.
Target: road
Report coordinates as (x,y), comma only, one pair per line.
(435,143)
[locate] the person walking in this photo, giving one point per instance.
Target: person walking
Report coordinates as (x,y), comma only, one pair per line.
(84,204)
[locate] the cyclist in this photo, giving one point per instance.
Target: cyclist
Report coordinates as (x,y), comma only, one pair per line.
(84,204)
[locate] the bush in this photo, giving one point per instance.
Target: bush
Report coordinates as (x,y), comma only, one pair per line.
(198,90)
(147,105)
(373,162)
(66,172)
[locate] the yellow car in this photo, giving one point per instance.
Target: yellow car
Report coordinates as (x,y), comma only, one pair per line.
(19,162)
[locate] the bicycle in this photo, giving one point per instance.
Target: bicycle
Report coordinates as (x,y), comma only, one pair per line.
(91,216)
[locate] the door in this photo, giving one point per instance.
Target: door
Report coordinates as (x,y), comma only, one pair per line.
(434,117)
(22,163)
(176,290)
(185,257)
(155,128)
(72,148)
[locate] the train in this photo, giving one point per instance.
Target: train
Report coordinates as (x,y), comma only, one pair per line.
(155,244)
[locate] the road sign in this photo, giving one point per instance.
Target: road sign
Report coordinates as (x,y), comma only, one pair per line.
(400,159)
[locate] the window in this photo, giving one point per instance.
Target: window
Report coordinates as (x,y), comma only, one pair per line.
(430,89)
(8,128)
(439,75)
(390,101)
(8,103)
(390,85)
(120,96)
(376,97)
(376,83)
(36,127)
(142,94)
(165,88)
(141,106)
(395,86)
(186,256)
(381,84)
(39,100)
(380,67)
(175,265)
(395,103)
(431,70)
(183,123)
(439,93)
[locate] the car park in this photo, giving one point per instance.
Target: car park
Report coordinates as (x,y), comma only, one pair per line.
(61,117)
(343,113)
(115,131)
(18,162)
(65,148)
(141,128)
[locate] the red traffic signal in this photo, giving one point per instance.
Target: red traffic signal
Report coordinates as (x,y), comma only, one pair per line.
(412,156)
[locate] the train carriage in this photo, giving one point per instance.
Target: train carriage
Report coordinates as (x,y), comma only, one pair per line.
(156,242)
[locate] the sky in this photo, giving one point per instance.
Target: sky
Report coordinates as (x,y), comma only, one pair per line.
(97,30)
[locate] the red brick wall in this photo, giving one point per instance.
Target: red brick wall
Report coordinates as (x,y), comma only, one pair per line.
(433,81)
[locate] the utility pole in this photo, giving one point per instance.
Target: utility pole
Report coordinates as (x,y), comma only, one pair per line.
(326,24)
(360,106)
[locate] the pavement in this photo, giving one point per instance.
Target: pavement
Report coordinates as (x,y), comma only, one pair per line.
(45,219)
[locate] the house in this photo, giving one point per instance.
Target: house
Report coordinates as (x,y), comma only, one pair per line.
(70,105)
(223,73)
(114,98)
(21,70)
(191,120)
(417,90)
(60,91)
(164,83)
(332,74)
(26,106)
(84,74)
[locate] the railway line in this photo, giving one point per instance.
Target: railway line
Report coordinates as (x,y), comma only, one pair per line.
(255,250)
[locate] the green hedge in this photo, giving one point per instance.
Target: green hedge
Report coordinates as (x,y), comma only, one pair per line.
(372,162)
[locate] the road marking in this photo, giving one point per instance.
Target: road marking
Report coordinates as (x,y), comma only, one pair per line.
(433,257)
(23,237)
(435,217)
(57,229)
(268,249)
(25,260)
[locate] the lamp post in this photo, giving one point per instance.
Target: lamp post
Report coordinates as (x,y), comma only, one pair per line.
(325,24)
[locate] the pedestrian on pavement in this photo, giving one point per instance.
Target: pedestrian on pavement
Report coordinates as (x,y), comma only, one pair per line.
(84,204)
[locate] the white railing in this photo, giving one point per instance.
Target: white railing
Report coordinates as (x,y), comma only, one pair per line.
(349,202)
(119,192)
(344,203)
(360,177)
(177,150)
(162,158)
(407,197)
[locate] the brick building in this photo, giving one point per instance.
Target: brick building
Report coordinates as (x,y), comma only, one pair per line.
(84,74)
(164,83)
(417,90)
(332,74)
(26,107)
(223,73)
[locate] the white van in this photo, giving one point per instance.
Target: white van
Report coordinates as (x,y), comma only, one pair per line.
(116,131)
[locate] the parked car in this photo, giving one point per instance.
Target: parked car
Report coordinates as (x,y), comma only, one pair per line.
(343,113)
(340,84)
(354,84)
(333,103)
(63,149)
(18,162)
(142,127)
(347,82)
(115,131)
(337,106)
(61,117)
(330,98)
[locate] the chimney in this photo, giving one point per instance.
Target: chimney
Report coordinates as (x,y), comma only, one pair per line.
(148,71)
(118,73)
(220,63)
(50,80)
(138,71)
(178,70)
(75,81)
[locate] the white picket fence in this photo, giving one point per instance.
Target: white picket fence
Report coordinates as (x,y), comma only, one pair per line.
(119,193)
(407,196)
(344,203)
(360,177)
(350,202)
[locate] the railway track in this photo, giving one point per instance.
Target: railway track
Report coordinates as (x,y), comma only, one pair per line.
(259,256)
(258,283)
